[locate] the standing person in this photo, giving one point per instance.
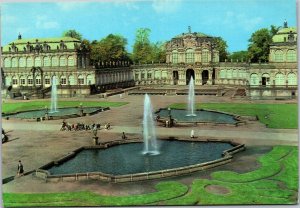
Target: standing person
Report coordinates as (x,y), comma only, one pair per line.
(20,169)
(124,136)
(192,134)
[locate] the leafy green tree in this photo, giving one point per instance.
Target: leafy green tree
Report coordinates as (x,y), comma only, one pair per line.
(142,49)
(239,55)
(159,52)
(110,48)
(222,47)
(73,34)
(260,41)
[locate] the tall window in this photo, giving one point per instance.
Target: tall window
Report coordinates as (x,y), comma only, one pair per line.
(222,73)
(205,55)
(71,80)
(14,62)
(279,55)
(174,57)
(29,62)
(254,79)
(38,80)
(143,75)
(136,76)
(279,79)
(22,80)
(71,61)
(37,61)
(30,80)
(15,81)
(189,56)
(22,62)
(62,61)
(7,62)
(149,75)
(46,61)
(291,56)
(292,79)
(63,80)
(55,61)
(80,80)
(47,80)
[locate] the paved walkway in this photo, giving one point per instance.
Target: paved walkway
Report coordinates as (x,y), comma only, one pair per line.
(37,143)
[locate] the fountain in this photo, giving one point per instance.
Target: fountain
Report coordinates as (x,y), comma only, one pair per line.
(149,135)
(53,96)
(191,98)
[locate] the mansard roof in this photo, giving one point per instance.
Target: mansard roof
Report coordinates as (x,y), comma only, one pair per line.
(54,43)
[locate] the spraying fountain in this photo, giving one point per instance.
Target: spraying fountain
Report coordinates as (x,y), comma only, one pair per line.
(191,98)
(149,134)
(53,96)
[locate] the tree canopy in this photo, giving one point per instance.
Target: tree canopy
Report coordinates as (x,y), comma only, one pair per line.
(110,48)
(222,47)
(260,41)
(72,33)
(239,55)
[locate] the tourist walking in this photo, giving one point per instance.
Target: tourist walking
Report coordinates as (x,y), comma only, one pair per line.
(20,169)
(124,136)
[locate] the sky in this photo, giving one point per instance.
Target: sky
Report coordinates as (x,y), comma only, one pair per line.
(233,20)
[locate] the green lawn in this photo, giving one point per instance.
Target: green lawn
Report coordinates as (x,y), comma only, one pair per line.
(32,105)
(260,186)
(280,116)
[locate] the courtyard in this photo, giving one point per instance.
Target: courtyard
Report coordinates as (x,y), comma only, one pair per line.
(37,143)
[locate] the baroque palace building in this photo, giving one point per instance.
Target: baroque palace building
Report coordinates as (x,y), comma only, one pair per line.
(29,65)
(196,55)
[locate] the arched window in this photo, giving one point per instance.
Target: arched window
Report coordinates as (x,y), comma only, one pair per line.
(205,56)
(7,62)
(72,80)
(279,79)
(254,79)
(62,61)
(47,80)
(222,73)
(80,80)
(54,61)
(175,57)
(8,81)
(292,79)
(164,74)
(14,62)
(265,79)
(37,61)
(71,61)
(22,62)
(215,57)
(29,80)
(22,80)
(46,61)
(189,56)
(279,55)
(157,75)
(89,79)
(63,80)
(29,62)
(14,80)
(291,56)
(38,79)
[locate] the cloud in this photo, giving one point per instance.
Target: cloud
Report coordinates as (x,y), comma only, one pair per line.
(43,22)
(166,6)
(70,6)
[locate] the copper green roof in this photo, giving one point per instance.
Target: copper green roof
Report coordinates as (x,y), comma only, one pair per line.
(52,42)
(283,34)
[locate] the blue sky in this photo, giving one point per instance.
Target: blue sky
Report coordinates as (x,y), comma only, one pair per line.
(233,20)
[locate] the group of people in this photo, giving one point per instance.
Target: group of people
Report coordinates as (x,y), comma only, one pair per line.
(82,127)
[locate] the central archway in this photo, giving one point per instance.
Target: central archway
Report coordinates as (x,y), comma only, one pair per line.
(189,73)
(204,77)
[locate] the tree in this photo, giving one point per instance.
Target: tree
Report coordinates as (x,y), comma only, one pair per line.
(239,55)
(110,48)
(222,47)
(158,52)
(73,34)
(259,46)
(142,50)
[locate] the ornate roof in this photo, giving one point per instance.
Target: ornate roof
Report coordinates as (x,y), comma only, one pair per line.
(53,43)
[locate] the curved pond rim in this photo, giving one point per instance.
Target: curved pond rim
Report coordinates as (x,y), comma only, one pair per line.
(226,157)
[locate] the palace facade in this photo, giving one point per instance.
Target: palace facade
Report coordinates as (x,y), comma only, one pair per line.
(29,66)
(196,55)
